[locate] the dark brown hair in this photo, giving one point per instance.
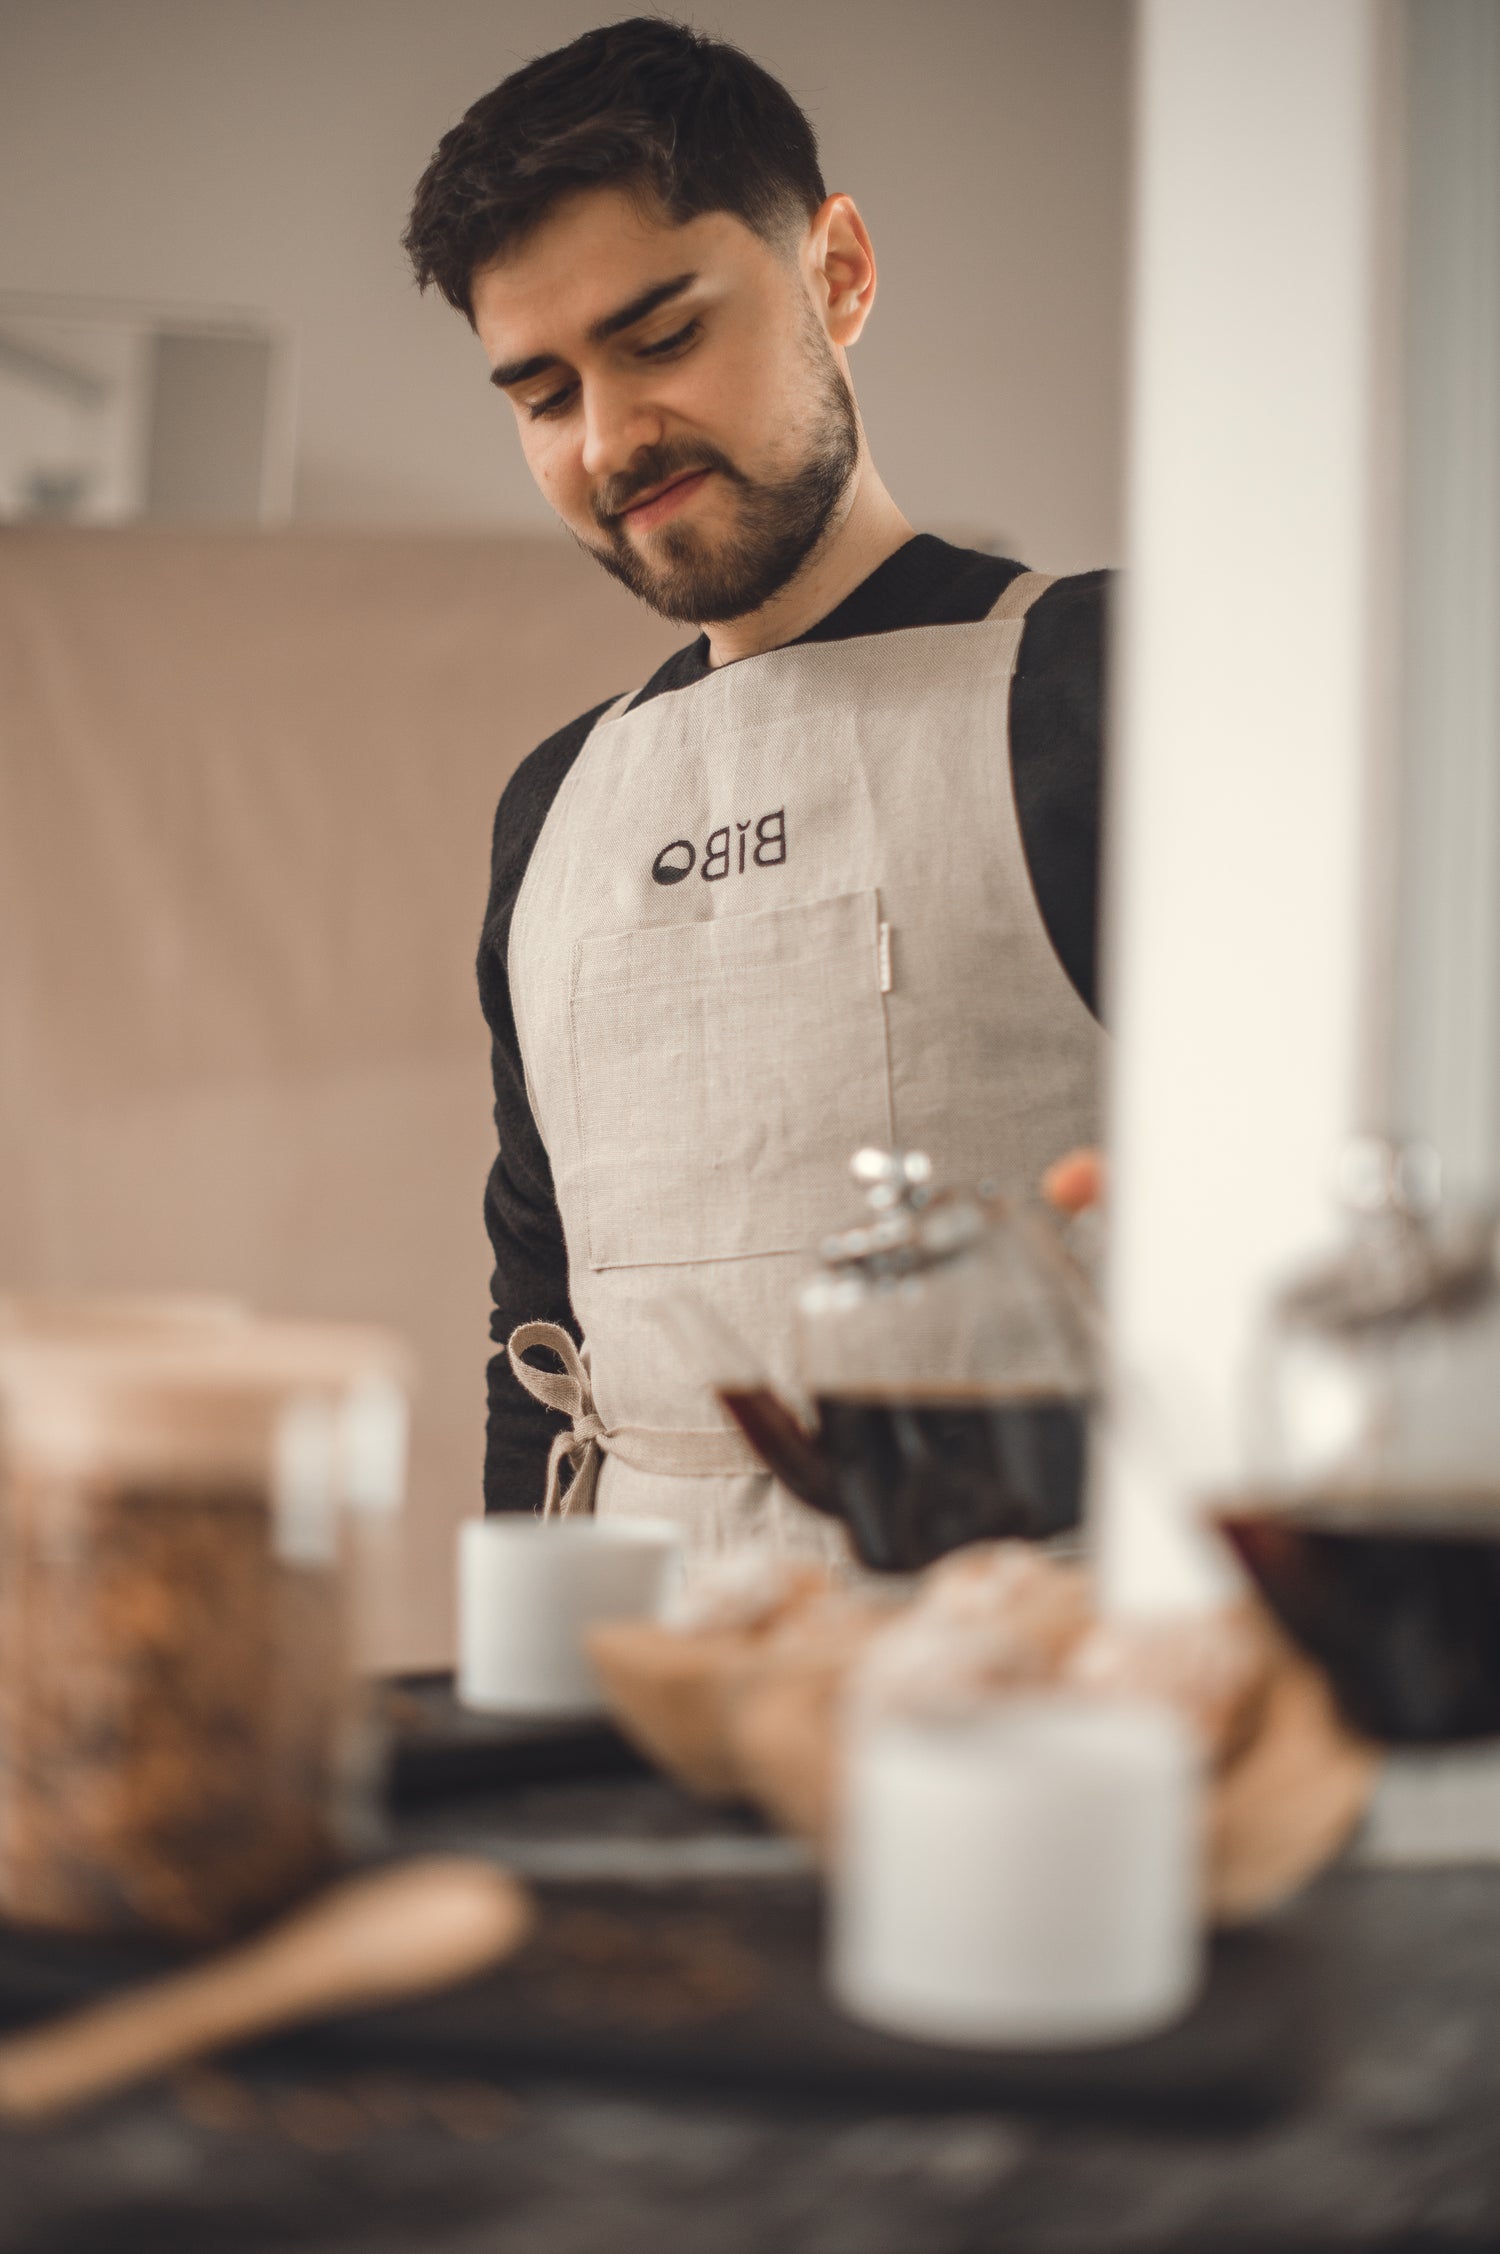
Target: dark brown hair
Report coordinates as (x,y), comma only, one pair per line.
(645,104)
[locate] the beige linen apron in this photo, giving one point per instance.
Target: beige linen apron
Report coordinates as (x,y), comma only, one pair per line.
(772,917)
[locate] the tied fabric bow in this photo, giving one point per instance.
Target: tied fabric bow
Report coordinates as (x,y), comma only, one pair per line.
(683,1452)
(570,1391)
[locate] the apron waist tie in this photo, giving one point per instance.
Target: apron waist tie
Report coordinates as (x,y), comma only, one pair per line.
(711,1452)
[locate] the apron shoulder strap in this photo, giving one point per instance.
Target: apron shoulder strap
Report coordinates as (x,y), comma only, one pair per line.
(1017,598)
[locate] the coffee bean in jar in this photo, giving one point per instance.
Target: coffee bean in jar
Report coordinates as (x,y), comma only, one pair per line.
(179,1724)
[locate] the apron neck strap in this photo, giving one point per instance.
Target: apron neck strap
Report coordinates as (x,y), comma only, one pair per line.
(1017,597)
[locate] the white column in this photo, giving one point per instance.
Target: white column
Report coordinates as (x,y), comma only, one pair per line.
(1251,720)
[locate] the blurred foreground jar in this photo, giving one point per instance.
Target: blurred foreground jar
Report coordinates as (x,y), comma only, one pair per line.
(1026,1873)
(181,1746)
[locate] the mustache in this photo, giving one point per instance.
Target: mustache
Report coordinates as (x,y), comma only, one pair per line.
(654,466)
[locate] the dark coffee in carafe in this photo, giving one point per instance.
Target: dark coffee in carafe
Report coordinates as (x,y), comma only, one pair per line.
(1398,1603)
(916,1477)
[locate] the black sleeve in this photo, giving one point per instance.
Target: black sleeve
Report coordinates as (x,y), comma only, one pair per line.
(1057,717)
(530,1279)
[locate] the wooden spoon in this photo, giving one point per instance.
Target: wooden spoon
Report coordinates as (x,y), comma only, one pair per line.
(369,1940)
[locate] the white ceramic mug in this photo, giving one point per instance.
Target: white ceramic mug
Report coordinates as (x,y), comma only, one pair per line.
(1029,1875)
(529,1587)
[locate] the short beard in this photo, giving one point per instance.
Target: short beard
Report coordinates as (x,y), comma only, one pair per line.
(779,524)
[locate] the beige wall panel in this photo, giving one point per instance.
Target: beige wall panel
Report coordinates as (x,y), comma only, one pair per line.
(262,154)
(246,786)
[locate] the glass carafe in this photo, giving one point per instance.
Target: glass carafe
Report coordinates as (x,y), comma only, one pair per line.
(1372,1523)
(945,1350)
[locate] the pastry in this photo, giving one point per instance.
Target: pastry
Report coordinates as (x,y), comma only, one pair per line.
(745,1691)
(782,1721)
(1289,1802)
(1045,1605)
(1214,1668)
(994,1617)
(669,1682)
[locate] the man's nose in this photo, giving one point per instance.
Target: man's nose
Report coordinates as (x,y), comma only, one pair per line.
(617,423)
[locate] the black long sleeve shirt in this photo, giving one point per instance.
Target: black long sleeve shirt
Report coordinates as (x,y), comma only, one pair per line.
(1056,759)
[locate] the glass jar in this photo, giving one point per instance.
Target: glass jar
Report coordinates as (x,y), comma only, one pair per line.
(182,1748)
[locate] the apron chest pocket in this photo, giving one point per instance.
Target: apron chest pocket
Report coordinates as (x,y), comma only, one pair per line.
(724,1073)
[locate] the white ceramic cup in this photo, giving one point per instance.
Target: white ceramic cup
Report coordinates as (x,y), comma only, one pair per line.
(1030,1875)
(529,1587)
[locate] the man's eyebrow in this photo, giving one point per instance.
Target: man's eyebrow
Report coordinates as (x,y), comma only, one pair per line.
(661,293)
(610,325)
(522,371)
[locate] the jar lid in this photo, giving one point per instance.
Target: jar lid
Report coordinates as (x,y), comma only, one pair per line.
(912,1226)
(109,1315)
(1408,1254)
(204,1399)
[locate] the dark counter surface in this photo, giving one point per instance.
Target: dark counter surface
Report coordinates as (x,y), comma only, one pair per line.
(1396,2144)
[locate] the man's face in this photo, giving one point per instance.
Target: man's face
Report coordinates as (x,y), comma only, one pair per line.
(679,401)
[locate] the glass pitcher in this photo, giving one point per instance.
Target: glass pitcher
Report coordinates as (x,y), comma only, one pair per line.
(946,1350)
(1372,1524)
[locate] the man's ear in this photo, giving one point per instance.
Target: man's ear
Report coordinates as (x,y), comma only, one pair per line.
(840,264)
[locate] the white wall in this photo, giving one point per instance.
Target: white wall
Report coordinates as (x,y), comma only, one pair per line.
(261,153)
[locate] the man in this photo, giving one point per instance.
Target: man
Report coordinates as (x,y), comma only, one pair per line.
(828,878)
